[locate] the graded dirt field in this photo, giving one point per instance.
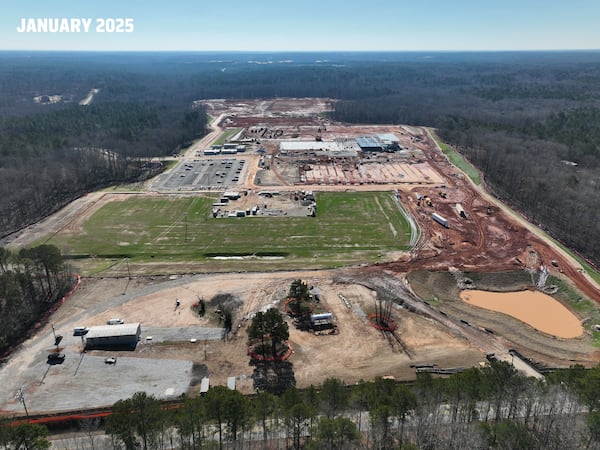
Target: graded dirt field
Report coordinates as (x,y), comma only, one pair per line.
(486,247)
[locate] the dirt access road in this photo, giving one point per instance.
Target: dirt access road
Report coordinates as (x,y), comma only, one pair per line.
(489,240)
(357,352)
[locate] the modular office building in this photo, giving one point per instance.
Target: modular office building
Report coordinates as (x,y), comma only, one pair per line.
(123,336)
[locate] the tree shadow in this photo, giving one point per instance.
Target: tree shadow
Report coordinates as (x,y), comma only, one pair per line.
(273,376)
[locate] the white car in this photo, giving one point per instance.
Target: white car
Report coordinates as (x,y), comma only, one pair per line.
(115,322)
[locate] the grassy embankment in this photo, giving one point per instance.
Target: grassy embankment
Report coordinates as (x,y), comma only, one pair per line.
(458,160)
(226,135)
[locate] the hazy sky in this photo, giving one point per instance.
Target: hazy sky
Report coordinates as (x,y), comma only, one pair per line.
(279,25)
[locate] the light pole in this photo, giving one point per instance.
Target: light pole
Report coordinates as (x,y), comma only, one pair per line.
(21,397)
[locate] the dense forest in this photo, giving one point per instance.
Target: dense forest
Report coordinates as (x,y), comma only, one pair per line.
(32,281)
(492,407)
(53,153)
(528,120)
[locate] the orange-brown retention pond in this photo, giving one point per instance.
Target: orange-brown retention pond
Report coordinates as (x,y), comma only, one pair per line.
(535,308)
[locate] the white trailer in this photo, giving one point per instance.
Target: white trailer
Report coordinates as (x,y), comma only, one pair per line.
(231,383)
(204,386)
(439,219)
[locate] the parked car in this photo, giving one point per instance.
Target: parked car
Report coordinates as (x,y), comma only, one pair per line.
(56,358)
(110,360)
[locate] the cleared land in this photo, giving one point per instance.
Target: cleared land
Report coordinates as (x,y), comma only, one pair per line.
(119,239)
(170,365)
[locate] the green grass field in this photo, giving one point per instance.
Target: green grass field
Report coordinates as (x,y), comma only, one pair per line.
(350,228)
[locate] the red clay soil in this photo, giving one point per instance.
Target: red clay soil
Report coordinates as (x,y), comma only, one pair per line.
(382,324)
(288,123)
(488,240)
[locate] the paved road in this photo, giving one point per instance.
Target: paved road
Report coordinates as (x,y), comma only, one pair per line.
(207,140)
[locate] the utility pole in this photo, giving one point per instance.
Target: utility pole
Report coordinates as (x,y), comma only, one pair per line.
(57,338)
(128,270)
(185,218)
(21,397)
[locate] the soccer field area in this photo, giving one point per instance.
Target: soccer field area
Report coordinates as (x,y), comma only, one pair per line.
(349,228)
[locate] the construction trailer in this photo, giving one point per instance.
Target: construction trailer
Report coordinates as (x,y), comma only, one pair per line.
(319,317)
(322,322)
(439,219)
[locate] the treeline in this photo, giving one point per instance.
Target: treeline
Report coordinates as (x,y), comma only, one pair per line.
(49,159)
(32,280)
(517,116)
(492,407)
(548,170)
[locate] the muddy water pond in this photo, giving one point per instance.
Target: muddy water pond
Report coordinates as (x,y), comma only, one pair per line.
(535,308)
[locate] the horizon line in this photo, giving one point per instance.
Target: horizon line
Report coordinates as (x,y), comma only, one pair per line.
(305,51)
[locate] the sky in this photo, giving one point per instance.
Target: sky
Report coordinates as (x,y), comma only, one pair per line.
(309,25)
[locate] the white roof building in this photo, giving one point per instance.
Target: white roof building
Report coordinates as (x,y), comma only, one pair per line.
(388,138)
(124,335)
(337,148)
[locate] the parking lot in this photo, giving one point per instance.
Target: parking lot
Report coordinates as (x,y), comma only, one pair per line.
(85,380)
(203,174)
(98,378)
